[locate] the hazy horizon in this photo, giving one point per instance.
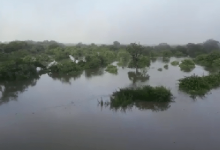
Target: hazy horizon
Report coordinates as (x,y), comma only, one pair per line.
(149,22)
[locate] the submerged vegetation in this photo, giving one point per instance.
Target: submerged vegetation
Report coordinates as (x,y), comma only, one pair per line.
(21,60)
(112,69)
(175,63)
(187,65)
(165,66)
(66,67)
(19,69)
(211,61)
(160,69)
(196,85)
(128,96)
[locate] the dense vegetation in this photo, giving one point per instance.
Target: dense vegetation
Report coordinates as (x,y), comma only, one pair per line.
(21,60)
(211,60)
(196,85)
(128,96)
(175,63)
(187,65)
(112,69)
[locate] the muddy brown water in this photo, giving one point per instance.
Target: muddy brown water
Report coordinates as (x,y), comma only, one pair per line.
(62,113)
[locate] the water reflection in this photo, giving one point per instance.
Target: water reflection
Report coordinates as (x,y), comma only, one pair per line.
(11,89)
(153,106)
(94,72)
(141,76)
(66,78)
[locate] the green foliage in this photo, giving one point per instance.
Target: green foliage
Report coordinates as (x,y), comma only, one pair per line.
(165,66)
(160,69)
(58,53)
(112,69)
(135,50)
(19,69)
(123,58)
(144,61)
(211,61)
(196,85)
(94,62)
(175,63)
(187,65)
(128,96)
(153,59)
(166,53)
(65,67)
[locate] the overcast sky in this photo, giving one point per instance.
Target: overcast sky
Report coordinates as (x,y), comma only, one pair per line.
(104,21)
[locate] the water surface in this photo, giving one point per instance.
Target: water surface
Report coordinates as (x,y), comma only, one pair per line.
(61,112)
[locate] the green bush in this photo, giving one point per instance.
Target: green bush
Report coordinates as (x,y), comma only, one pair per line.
(112,69)
(211,60)
(196,85)
(65,67)
(128,96)
(19,69)
(187,65)
(143,62)
(175,63)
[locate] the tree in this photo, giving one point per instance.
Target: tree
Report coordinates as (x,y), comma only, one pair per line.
(211,45)
(116,44)
(135,50)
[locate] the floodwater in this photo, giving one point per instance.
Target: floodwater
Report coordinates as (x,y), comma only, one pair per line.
(63,113)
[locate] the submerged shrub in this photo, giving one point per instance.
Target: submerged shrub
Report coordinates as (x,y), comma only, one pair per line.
(196,85)
(128,96)
(19,69)
(144,61)
(159,69)
(187,65)
(112,69)
(165,66)
(175,63)
(166,59)
(65,67)
(211,60)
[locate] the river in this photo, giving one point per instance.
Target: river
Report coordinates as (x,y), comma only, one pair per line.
(63,113)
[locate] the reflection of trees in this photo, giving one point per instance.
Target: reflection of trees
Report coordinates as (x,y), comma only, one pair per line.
(9,90)
(138,76)
(66,78)
(89,73)
(154,106)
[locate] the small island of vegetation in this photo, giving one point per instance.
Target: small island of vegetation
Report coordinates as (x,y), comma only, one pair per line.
(196,85)
(112,69)
(175,63)
(165,66)
(187,65)
(127,96)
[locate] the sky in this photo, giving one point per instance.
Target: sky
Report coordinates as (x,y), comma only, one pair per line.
(104,21)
